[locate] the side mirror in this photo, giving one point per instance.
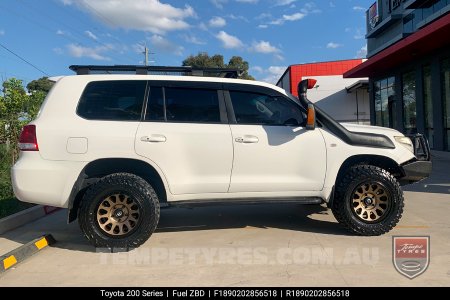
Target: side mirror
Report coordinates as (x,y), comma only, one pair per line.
(311,117)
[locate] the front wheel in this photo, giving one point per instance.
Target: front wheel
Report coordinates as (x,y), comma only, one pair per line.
(368,200)
(120,211)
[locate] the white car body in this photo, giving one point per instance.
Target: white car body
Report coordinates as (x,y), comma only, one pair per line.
(195,161)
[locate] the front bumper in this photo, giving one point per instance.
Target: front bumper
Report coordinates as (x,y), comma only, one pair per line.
(419,168)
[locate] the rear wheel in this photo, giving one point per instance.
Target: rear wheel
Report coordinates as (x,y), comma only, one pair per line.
(119,211)
(368,200)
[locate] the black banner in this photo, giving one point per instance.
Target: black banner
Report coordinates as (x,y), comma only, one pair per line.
(213,293)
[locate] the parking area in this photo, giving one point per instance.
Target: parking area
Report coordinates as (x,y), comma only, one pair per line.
(265,245)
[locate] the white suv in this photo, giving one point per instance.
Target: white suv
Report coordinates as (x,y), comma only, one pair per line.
(113,149)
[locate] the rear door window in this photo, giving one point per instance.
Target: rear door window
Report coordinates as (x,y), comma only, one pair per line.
(117,100)
(179,104)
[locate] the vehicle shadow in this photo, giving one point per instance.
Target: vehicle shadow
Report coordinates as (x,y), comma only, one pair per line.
(282,216)
(439,180)
(303,218)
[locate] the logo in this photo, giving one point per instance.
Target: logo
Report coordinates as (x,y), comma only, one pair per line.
(374,15)
(411,254)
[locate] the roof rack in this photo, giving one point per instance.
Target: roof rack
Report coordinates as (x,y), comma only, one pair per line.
(156,70)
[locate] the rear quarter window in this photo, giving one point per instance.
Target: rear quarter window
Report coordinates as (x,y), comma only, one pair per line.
(119,100)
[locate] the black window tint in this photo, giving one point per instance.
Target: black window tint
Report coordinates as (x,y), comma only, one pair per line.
(192,105)
(112,100)
(155,105)
(252,108)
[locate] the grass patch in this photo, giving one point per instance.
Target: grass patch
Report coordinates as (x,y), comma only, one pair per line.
(11,206)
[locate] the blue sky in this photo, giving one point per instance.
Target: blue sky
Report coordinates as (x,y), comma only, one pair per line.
(269,34)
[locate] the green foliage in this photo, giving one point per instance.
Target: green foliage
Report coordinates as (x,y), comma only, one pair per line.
(42,84)
(239,63)
(203,60)
(17,108)
(5,180)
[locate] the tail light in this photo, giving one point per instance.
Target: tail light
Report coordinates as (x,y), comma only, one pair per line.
(28,139)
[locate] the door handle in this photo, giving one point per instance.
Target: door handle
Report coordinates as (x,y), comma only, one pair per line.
(247,139)
(154,138)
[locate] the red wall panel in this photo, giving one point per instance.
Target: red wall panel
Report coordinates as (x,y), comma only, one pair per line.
(320,69)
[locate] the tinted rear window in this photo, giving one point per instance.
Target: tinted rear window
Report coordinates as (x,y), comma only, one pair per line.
(112,100)
(192,105)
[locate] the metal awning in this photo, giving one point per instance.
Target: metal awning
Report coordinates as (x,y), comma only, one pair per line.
(360,84)
(423,42)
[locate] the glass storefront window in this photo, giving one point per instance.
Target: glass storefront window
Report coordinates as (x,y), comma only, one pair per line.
(384,96)
(409,101)
(428,105)
(445,84)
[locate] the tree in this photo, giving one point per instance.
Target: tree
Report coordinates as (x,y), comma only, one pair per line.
(17,108)
(42,84)
(203,60)
(239,63)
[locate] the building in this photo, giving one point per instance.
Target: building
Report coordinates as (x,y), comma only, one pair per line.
(408,65)
(346,99)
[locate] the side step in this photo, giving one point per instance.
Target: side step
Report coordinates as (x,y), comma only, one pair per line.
(250,201)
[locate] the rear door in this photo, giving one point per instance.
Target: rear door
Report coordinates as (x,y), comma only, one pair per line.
(185,132)
(273,152)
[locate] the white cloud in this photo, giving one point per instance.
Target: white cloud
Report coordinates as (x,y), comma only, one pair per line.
(164,45)
(66,2)
(91,35)
(229,41)
(96,53)
(58,51)
(235,17)
(310,8)
(290,18)
(193,39)
(263,26)
(203,26)
(2,32)
(332,5)
(248,1)
(257,69)
(278,57)
(332,45)
(145,15)
(272,74)
(138,48)
(294,17)
(264,47)
(284,2)
(60,32)
(219,3)
(358,8)
(358,34)
(263,16)
(362,53)
(217,22)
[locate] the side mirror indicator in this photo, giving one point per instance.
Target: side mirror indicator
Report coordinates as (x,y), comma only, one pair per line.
(311,117)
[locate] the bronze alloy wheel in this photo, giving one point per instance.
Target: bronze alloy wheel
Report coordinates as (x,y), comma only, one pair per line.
(118,214)
(370,202)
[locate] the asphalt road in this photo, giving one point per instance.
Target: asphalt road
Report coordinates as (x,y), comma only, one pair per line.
(265,245)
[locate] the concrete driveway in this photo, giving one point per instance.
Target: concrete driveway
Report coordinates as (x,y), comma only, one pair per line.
(266,245)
